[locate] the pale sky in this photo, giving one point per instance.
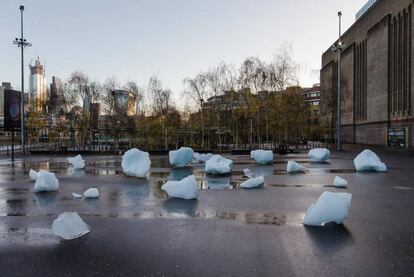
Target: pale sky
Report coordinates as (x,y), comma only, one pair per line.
(174,39)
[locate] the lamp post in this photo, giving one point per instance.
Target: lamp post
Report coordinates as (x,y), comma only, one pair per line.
(22,43)
(338,47)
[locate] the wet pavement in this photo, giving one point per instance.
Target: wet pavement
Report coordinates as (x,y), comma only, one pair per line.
(137,231)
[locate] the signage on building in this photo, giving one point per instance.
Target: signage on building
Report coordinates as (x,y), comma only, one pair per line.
(12,114)
(398,137)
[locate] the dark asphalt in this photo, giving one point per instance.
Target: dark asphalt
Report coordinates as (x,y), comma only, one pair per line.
(137,231)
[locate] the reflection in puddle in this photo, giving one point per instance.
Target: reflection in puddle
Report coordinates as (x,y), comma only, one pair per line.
(203,184)
(302,186)
(314,171)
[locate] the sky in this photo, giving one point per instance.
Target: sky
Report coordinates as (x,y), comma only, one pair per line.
(173,39)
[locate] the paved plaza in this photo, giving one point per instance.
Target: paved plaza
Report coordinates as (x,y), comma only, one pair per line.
(137,231)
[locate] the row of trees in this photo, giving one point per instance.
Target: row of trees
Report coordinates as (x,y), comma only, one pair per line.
(258,103)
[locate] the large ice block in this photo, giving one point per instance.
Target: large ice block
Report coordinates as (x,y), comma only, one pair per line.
(330,207)
(77,162)
(262,156)
(69,226)
(218,165)
(319,155)
(181,157)
(294,167)
(187,188)
(136,163)
(253,182)
(46,181)
(367,160)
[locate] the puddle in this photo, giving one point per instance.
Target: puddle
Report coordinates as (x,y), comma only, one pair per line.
(203,184)
(302,186)
(314,171)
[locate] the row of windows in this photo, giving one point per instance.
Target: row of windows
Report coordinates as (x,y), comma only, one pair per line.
(400,64)
(361,81)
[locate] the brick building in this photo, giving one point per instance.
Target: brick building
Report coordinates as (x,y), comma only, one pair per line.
(377,88)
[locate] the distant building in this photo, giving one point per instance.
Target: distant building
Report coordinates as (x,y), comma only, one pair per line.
(125,101)
(56,95)
(312,96)
(37,84)
(377,97)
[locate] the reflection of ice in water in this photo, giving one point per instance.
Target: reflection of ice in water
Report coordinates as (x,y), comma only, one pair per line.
(177,174)
(175,205)
(76,172)
(44,201)
(218,183)
(265,170)
(132,193)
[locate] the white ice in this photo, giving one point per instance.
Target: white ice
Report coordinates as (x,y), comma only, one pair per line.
(218,165)
(369,161)
(202,157)
(91,193)
(46,181)
(187,188)
(69,226)
(330,207)
(294,167)
(262,156)
(249,173)
(77,162)
(181,157)
(253,182)
(136,163)
(77,195)
(33,174)
(319,155)
(340,182)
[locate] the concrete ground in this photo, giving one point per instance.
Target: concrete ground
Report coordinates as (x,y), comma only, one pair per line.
(137,231)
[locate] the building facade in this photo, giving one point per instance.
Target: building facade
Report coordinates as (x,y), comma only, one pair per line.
(37,84)
(376,77)
(56,95)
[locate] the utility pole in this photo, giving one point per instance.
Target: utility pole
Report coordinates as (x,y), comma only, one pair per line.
(338,47)
(22,43)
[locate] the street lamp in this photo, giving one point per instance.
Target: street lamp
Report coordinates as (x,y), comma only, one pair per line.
(338,47)
(22,43)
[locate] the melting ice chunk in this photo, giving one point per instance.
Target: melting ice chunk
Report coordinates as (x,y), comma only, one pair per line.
(340,182)
(202,157)
(69,226)
(319,155)
(33,174)
(77,162)
(367,160)
(249,173)
(294,167)
(253,182)
(91,193)
(77,195)
(262,156)
(136,163)
(218,165)
(187,188)
(330,207)
(46,181)
(181,157)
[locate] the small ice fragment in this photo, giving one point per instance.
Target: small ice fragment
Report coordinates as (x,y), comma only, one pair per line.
(33,174)
(187,188)
(249,173)
(319,155)
(202,157)
(46,181)
(218,165)
(136,163)
(340,182)
(367,160)
(77,162)
(76,195)
(253,182)
(262,156)
(330,207)
(69,226)
(91,193)
(181,157)
(294,167)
